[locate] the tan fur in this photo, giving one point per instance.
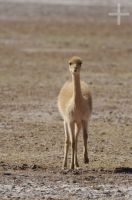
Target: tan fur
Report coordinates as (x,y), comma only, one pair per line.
(75,106)
(66,94)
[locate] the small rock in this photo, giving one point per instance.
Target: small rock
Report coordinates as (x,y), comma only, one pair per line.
(34,167)
(23,166)
(7,173)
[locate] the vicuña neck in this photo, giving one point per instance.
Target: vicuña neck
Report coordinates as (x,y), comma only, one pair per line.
(77,94)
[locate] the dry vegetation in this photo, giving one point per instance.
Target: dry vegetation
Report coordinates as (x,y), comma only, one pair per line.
(35,44)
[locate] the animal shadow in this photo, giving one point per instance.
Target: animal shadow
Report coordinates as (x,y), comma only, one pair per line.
(123,170)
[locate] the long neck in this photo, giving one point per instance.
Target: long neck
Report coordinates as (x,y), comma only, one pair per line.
(77,94)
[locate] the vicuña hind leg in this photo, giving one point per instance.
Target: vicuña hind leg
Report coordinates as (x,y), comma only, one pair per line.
(85,139)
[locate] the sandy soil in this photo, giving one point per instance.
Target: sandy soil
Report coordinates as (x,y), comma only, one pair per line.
(35,43)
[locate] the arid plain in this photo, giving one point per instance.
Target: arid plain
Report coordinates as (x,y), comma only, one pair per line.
(36,41)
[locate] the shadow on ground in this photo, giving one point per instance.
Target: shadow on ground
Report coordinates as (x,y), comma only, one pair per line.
(126,170)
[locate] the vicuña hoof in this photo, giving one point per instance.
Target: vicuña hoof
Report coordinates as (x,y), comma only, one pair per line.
(86,160)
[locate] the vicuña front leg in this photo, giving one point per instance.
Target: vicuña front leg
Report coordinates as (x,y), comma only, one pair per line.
(71,129)
(66,147)
(85,139)
(77,130)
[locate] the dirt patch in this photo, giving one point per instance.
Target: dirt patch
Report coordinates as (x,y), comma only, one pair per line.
(77,184)
(35,43)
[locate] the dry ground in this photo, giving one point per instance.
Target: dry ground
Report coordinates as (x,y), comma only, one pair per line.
(35,44)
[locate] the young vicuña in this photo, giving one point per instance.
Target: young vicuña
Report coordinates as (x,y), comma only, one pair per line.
(75,106)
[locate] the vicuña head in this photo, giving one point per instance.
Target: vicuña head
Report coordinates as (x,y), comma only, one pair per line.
(75,64)
(75,106)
